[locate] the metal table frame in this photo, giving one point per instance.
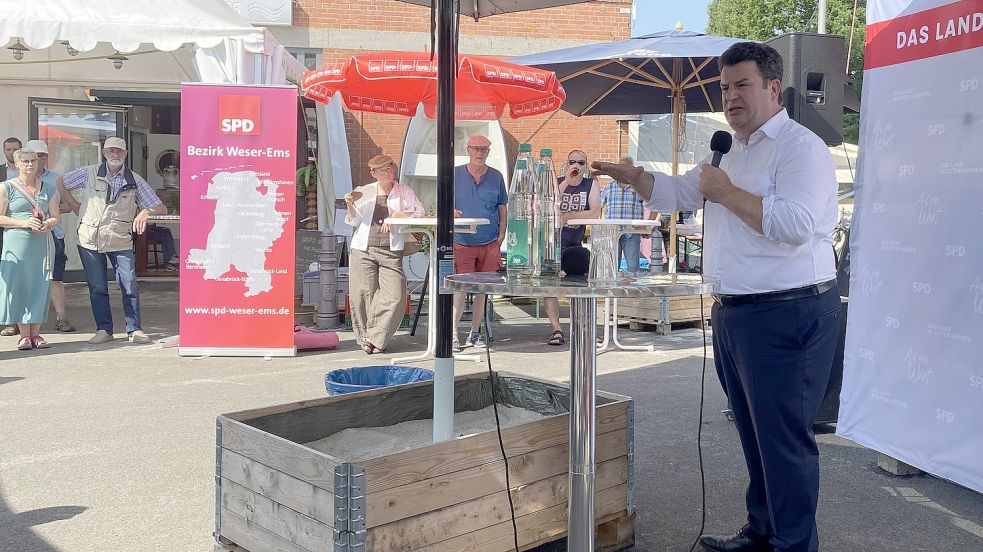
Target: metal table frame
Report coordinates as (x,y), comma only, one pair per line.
(428,225)
(583,365)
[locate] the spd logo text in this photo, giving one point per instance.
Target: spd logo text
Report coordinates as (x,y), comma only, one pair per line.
(238,115)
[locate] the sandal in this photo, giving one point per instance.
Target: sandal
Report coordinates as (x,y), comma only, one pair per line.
(63,325)
(39,342)
(556,339)
(368,348)
(25,344)
(10,330)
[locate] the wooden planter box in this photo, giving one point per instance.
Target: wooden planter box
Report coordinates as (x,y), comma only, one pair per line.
(275,494)
(662,312)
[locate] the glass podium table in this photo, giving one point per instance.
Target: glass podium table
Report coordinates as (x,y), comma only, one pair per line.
(583,295)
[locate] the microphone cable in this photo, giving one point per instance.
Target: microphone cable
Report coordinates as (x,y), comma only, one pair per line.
(720,144)
(699,429)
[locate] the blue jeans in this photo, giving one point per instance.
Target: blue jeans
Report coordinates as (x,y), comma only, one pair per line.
(162,235)
(97,274)
(630,245)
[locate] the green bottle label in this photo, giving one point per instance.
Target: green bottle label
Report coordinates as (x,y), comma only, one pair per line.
(518,243)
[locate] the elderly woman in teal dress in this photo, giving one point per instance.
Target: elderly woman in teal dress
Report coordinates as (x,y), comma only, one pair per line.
(28,211)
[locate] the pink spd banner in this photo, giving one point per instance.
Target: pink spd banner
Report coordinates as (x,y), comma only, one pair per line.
(238,166)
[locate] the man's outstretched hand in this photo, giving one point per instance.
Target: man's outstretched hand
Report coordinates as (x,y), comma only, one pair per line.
(636,177)
(625,174)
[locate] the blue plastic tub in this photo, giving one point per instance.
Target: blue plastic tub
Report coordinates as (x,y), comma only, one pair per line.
(351,380)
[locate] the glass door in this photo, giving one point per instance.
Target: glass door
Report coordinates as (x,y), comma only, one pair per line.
(74,132)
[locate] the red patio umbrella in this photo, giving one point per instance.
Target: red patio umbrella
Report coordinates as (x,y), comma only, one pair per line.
(396,82)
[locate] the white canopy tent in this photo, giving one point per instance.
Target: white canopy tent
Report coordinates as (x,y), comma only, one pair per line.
(67,44)
(195,40)
(65,49)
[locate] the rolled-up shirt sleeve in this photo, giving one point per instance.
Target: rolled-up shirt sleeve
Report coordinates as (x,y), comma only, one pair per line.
(804,181)
(146,196)
(676,193)
(75,179)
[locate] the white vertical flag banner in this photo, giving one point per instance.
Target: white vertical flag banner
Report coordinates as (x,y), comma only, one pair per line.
(913,364)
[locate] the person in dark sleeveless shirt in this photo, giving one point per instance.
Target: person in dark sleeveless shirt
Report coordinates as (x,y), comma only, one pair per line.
(579,197)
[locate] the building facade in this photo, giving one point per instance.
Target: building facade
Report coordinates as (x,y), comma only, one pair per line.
(326,31)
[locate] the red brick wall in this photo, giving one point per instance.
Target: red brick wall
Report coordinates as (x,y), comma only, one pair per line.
(597,20)
(371,134)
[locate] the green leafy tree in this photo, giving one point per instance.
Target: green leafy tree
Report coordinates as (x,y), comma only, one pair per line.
(764,19)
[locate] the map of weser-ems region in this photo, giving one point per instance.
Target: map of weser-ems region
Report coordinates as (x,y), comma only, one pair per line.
(246,225)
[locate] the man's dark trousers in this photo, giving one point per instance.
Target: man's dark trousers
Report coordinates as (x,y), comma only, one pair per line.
(773,360)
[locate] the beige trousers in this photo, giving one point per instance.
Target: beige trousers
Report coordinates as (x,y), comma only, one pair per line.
(377,294)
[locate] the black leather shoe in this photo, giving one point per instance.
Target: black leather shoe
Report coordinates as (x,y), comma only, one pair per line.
(734,543)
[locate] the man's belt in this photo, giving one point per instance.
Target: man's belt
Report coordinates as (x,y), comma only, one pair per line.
(771,296)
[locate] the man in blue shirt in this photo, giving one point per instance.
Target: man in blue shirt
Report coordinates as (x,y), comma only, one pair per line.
(479,192)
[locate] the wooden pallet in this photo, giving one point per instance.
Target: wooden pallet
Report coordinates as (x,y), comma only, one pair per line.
(642,325)
(664,314)
(615,535)
(276,495)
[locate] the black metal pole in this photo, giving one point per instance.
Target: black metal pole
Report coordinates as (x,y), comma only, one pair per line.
(443,392)
(446,62)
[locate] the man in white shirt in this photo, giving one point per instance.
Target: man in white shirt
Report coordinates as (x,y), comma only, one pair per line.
(770,209)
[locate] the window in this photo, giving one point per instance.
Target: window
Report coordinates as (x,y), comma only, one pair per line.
(310,57)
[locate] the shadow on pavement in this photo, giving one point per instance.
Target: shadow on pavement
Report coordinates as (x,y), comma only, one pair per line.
(15,528)
(68,347)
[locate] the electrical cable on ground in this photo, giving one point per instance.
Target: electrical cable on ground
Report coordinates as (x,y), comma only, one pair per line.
(501,443)
(699,430)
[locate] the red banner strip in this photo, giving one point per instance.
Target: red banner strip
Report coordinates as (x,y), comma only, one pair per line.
(951,28)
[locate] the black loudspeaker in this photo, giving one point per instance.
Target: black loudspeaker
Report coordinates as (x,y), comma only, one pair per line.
(815,74)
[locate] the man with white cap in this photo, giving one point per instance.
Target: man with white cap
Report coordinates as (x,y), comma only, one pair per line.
(479,192)
(115,203)
(50,177)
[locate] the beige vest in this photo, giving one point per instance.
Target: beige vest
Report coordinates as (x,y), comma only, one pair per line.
(106,223)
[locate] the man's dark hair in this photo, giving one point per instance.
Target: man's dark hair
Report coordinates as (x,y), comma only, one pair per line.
(13,139)
(768,60)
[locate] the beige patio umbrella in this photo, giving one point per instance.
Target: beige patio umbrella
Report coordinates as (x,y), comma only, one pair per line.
(666,72)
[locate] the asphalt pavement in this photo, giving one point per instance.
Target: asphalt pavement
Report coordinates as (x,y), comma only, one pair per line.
(112,447)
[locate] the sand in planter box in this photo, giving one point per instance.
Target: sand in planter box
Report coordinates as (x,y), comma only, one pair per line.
(355,444)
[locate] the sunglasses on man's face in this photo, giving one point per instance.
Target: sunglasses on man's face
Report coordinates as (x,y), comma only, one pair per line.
(577,162)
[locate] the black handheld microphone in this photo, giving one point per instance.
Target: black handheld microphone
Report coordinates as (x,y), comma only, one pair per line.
(720,144)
